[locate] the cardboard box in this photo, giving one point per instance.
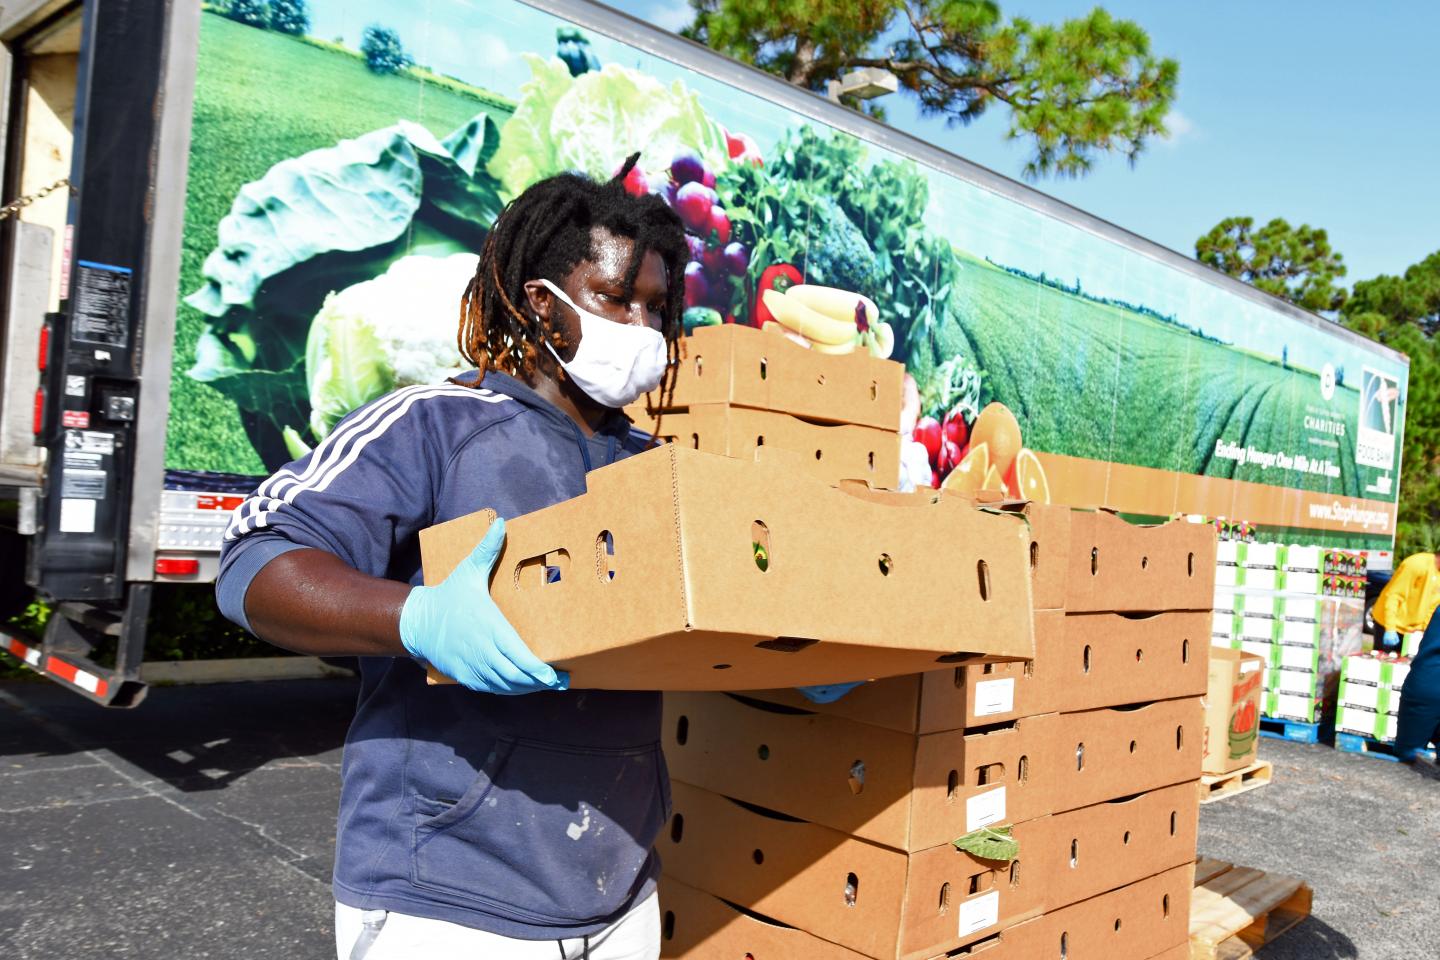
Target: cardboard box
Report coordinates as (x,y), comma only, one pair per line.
(831,452)
(1119,566)
(1126,924)
(1050,526)
(1291,680)
(700,926)
(1147,920)
(745,367)
(1298,656)
(1264,649)
(887,904)
(1082,662)
(1292,706)
(1232,710)
(1367,722)
(914,792)
(692,571)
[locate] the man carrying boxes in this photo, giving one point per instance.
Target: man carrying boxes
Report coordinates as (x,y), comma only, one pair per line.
(473,824)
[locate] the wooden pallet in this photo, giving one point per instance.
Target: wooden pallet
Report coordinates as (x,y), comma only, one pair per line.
(1220,786)
(1237,910)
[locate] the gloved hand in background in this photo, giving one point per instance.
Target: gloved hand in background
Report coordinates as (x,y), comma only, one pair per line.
(1392,639)
(828,692)
(456,628)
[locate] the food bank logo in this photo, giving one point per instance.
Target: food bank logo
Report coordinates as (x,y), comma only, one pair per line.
(1379,419)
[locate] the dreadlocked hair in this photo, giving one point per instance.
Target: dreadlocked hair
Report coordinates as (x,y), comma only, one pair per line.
(543,234)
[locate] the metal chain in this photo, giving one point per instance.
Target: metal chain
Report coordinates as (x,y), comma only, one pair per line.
(20,203)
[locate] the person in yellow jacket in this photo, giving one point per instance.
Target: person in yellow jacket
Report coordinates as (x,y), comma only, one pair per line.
(1410,598)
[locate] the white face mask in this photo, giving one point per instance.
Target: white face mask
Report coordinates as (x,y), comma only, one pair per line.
(615,362)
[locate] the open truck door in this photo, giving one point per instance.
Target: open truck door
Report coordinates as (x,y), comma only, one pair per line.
(99,93)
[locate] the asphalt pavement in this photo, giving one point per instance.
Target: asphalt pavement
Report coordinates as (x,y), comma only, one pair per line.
(202,825)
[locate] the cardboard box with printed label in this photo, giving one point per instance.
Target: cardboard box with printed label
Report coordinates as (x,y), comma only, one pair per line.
(1293,680)
(739,365)
(914,792)
(1366,722)
(887,904)
(684,570)
(1082,662)
(1120,566)
(1146,920)
(1131,923)
(1292,706)
(1232,710)
(831,452)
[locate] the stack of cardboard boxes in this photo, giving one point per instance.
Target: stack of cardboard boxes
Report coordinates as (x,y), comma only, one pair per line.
(738,390)
(1032,794)
(1301,609)
(781,561)
(1369,699)
(805,830)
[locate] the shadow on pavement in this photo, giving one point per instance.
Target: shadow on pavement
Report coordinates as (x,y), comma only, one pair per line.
(1311,939)
(195,738)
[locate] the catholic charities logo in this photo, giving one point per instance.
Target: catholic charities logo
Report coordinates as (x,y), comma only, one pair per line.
(1379,417)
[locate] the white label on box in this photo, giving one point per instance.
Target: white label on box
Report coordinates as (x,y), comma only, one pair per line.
(977,914)
(994,696)
(984,809)
(77,516)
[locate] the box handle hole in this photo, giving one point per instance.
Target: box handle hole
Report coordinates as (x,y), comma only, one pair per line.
(605,556)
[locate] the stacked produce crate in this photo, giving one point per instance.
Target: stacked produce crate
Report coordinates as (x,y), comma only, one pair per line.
(1010,810)
(1369,698)
(738,390)
(1301,609)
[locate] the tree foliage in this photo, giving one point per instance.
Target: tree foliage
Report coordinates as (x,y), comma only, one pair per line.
(1075,90)
(1404,313)
(1295,263)
(254,13)
(290,16)
(384,53)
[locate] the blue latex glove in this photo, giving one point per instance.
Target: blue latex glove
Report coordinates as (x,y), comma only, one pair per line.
(1392,639)
(457,629)
(828,692)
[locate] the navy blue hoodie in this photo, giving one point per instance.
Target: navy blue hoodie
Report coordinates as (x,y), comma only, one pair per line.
(529,816)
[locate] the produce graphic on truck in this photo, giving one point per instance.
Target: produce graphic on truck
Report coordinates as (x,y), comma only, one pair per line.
(302,237)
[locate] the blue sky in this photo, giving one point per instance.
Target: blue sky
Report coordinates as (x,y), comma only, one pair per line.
(1317,111)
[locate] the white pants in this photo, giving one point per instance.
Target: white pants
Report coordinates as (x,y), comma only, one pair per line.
(380,935)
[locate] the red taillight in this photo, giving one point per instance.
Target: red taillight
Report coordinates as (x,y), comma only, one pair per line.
(44,356)
(39,410)
(176,566)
